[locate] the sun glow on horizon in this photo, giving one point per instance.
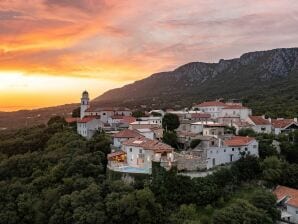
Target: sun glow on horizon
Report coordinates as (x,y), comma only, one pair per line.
(19,91)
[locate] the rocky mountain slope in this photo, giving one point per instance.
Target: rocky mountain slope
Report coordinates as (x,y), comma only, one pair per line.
(263,80)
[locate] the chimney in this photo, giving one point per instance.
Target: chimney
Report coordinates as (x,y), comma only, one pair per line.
(263,116)
(269,119)
(295,119)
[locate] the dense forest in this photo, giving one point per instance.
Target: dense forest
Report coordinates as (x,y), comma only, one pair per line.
(49,174)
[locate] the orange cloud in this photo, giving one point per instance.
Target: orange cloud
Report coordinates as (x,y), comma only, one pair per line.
(120,41)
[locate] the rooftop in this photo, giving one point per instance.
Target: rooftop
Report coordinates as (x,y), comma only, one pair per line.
(238,141)
(282,192)
(127,133)
(88,119)
(148,144)
(259,120)
(281,123)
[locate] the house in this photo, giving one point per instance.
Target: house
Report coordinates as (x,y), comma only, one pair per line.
(146,132)
(281,125)
(151,120)
(230,150)
(143,124)
(215,129)
(123,136)
(211,107)
(241,125)
(137,154)
(260,124)
(287,201)
(92,118)
(235,111)
(198,127)
(120,121)
(87,126)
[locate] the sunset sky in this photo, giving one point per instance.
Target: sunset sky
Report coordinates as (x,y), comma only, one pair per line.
(52,50)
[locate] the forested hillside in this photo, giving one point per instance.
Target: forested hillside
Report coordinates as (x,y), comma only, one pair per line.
(49,174)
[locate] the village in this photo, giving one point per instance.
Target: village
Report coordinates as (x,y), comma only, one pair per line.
(204,135)
(207,135)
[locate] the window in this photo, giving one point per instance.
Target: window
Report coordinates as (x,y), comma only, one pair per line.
(254,146)
(103,113)
(239,149)
(263,128)
(225,150)
(140,151)
(212,142)
(211,151)
(233,149)
(246,149)
(130,149)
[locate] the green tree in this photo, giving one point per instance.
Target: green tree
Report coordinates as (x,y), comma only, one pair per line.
(241,211)
(170,138)
(247,132)
(138,113)
(194,143)
(170,122)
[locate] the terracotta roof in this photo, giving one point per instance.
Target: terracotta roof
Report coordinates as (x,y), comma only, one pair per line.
(128,119)
(200,115)
(281,123)
(211,104)
(72,119)
(259,120)
(238,141)
(148,144)
(282,192)
(88,119)
(127,133)
(236,106)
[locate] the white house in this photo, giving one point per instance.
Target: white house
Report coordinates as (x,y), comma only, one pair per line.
(211,107)
(230,150)
(282,125)
(260,124)
(287,201)
(87,126)
(137,154)
(235,111)
(151,120)
(123,136)
(146,132)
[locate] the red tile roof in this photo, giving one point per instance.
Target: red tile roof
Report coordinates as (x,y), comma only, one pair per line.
(282,192)
(88,119)
(127,133)
(211,104)
(281,123)
(259,120)
(238,141)
(149,144)
(115,109)
(72,119)
(128,119)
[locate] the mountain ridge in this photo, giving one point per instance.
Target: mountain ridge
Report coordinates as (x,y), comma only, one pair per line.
(248,77)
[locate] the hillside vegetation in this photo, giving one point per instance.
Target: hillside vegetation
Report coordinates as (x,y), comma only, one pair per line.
(50,174)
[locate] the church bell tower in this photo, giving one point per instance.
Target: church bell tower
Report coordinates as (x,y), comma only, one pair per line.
(84,103)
